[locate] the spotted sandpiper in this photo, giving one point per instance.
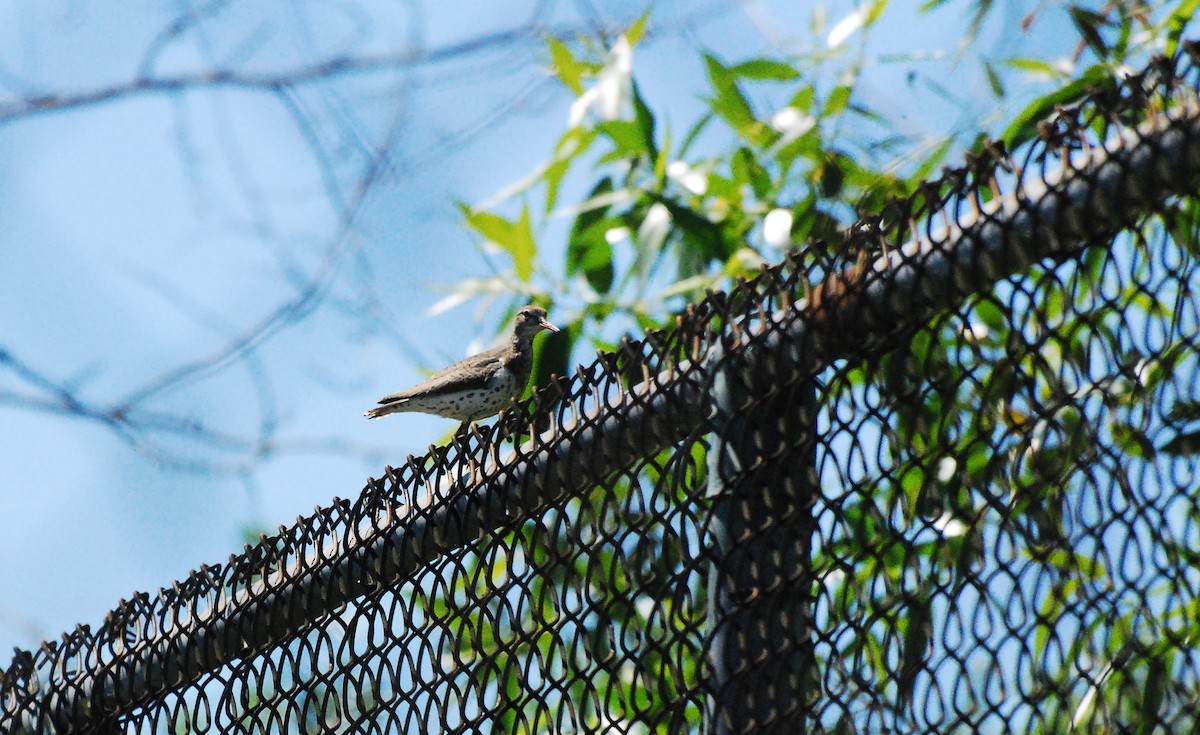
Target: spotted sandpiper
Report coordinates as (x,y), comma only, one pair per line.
(479,386)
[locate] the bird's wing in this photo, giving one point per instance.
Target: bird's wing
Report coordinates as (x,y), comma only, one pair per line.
(467,374)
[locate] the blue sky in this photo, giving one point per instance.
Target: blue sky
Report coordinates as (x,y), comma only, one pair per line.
(146,232)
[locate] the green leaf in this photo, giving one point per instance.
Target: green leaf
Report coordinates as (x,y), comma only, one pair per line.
(733,107)
(1153,690)
(663,157)
(912,482)
(645,123)
(568,70)
(874,10)
(830,176)
(982,8)
(838,99)
(638,29)
(719,75)
(552,353)
(1039,67)
(1175,24)
(522,247)
(515,238)
(935,159)
(705,236)
(730,104)
(493,227)
(918,629)
(803,98)
(1134,441)
(747,170)
(1088,23)
(993,79)
(1086,564)
(587,247)
(1184,409)
(625,136)
(992,315)
(693,134)
(1183,444)
(1024,126)
(573,143)
(767,70)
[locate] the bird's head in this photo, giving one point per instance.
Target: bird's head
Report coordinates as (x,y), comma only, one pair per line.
(531,320)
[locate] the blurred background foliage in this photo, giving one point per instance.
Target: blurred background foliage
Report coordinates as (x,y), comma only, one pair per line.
(786,155)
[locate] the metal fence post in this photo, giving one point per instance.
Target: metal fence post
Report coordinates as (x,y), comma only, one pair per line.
(762,480)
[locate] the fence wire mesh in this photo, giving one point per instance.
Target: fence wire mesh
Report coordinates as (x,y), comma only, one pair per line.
(943,481)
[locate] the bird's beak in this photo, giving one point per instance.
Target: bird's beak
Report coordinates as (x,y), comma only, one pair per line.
(547,325)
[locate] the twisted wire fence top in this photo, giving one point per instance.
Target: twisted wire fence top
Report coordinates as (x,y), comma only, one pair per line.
(549,573)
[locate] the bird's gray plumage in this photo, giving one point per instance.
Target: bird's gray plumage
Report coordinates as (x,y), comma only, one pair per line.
(478,386)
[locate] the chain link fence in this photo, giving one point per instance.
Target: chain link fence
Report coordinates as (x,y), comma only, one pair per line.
(942,478)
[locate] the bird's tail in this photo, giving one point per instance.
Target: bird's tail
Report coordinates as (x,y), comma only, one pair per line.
(384,410)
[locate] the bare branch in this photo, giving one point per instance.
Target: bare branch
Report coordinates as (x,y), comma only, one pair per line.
(301,75)
(172,439)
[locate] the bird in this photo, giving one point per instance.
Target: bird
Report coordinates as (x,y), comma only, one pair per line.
(479,386)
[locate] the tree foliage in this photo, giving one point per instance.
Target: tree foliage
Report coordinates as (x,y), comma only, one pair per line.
(783,159)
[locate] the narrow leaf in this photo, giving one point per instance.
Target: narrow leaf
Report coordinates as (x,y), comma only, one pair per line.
(568,70)
(1088,23)
(837,101)
(767,70)
(1024,126)
(523,249)
(1153,690)
(995,83)
(514,238)
(1183,444)
(493,227)
(638,29)
(1180,17)
(588,250)
(645,123)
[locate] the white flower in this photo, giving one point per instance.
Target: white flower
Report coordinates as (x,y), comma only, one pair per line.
(614,235)
(1144,370)
(654,227)
(1087,705)
(645,606)
(949,526)
(689,178)
(975,332)
(791,123)
(845,28)
(831,579)
(777,227)
(607,96)
(946,468)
